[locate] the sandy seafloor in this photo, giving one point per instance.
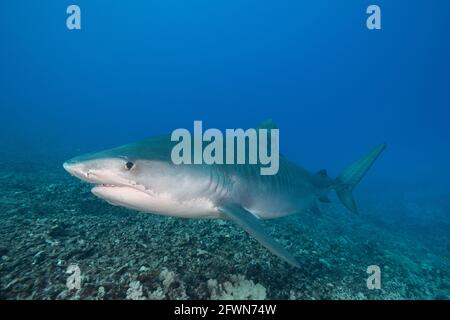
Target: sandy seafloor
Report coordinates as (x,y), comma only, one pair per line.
(49,220)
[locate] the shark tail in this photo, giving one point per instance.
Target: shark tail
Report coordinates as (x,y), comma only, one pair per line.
(352,175)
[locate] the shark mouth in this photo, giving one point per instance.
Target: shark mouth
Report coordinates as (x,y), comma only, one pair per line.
(122,195)
(134,186)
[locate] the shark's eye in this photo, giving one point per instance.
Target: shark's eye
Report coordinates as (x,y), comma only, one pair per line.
(129,165)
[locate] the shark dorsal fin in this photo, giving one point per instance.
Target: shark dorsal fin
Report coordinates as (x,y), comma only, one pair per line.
(267,124)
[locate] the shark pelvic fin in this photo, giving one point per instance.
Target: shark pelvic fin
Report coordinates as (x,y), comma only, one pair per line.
(251,224)
(352,175)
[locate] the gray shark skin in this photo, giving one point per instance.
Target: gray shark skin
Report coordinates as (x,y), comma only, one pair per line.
(141,176)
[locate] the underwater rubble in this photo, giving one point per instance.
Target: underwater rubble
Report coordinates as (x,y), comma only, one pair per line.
(50,221)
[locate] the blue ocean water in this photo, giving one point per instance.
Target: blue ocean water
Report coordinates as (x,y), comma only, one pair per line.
(335,89)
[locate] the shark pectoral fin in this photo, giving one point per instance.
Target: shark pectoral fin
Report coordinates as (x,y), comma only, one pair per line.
(250,224)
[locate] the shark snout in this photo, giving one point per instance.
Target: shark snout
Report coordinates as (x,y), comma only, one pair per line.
(82,171)
(95,171)
(77,169)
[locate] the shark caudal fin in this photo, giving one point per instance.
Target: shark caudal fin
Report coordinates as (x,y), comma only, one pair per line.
(352,175)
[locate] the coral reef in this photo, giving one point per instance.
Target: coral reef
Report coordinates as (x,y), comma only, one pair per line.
(50,221)
(237,289)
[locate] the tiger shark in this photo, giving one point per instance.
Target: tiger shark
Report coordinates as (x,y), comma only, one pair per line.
(141,176)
